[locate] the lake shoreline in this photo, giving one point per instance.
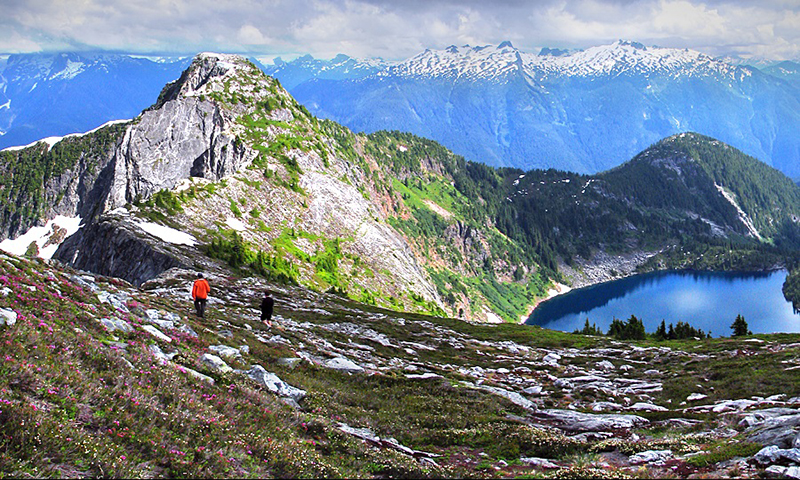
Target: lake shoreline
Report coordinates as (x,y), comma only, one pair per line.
(557,289)
(683,297)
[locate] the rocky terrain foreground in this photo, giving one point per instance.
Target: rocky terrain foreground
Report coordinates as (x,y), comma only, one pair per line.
(100,378)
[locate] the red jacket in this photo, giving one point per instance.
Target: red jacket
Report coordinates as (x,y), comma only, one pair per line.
(200,289)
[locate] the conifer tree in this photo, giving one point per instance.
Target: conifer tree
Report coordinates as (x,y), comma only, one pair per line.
(739,327)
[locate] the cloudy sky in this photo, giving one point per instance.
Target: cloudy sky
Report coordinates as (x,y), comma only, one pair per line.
(396,29)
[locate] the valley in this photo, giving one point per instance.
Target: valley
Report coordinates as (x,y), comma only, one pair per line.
(400,271)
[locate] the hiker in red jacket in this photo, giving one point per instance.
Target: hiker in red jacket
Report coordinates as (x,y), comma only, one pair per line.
(200,291)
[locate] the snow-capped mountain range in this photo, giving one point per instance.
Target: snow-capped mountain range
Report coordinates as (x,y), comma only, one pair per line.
(620,58)
(43,95)
(307,67)
(585,110)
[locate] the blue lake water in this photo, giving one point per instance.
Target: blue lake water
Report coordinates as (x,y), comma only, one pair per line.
(706,300)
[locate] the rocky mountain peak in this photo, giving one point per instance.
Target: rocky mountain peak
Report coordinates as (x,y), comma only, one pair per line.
(206,74)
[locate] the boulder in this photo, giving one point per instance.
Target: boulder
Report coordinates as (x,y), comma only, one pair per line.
(114,300)
(112,324)
(780,431)
(166,324)
(215,363)
(160,355)
(198,375)
(535,390)
(606,365)
(606,407)
(7,317)
(343,365)
(551,358)
(187,330)
(290,362)
(274,384)
(772,454)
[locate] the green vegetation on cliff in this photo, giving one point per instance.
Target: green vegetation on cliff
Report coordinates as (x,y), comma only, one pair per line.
(26,174)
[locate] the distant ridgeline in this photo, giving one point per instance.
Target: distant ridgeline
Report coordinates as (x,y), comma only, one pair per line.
(391,219)
(584,111)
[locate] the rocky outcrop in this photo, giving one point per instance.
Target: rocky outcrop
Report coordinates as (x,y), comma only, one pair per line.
(115,247)
(185,137)
(602,267)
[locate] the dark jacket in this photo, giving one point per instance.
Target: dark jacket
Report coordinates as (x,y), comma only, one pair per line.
(267,303)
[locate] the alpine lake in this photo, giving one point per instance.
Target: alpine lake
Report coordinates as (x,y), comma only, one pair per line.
(706,300)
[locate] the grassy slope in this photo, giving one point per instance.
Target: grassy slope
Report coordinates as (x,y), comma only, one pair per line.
(77,400)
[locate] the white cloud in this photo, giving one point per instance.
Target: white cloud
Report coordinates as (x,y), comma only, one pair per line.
(396,30)
(250,35)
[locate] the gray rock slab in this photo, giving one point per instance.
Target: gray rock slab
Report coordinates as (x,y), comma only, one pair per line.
(115,301)
(650,457)
(772,454)
(274,384)
(156,333)
(422,376)
(187,330)
(606,365)
(198,375)
(647,407)
(343,365)
(535,390)
(587,422)
(160,355)
(537,462)
(290,362)
(780,430)
(513,397)
(606,407)
(226,351)
(783,472)
(112,324)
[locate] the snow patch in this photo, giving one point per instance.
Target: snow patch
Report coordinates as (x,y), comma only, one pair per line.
(6,105)
(47,238)
(746,220)
(167,234)
(492,317)
(235,224)
(70,71)
(50,141)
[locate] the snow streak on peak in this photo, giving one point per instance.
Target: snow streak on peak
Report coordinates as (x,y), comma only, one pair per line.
(465,61)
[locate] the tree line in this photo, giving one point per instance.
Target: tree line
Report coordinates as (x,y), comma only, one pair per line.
(633,329)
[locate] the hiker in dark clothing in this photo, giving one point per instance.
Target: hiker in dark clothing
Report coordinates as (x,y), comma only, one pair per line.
(267,303)
(200,291)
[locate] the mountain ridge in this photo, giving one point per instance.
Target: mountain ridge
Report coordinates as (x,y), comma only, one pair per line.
(586,111)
